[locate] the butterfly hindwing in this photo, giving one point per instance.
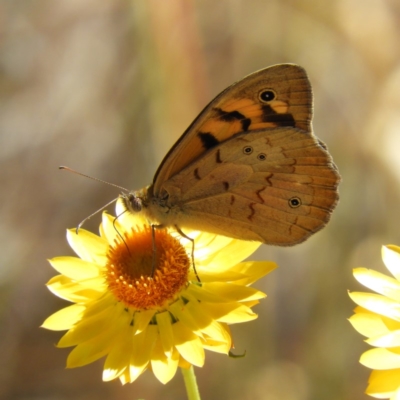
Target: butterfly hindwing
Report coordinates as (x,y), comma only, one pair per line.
(277,186)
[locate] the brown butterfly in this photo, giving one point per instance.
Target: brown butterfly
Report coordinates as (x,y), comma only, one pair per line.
(248,167)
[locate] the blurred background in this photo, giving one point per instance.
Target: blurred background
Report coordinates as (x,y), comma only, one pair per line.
(107,88)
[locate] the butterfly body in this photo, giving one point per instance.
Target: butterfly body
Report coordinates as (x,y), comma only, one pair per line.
(249,166)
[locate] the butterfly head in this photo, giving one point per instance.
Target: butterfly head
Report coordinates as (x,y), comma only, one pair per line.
(133,201)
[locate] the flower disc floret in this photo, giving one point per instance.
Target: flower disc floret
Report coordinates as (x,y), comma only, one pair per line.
(144,271)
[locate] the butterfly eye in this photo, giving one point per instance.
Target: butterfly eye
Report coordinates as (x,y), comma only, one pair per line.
(261,156)
(267,95)
(294,202)
(247,150)
(134,201)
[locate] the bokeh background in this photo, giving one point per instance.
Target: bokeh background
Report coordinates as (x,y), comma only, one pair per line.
(107,87)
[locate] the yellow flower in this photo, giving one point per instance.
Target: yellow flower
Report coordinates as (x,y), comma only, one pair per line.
(139,303)
(378,318)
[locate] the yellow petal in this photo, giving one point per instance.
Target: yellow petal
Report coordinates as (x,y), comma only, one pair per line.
(183,363)
(383,383)
(239,315)
(64,288)
(134,371)
(254,270)
(368,324)
(90,351)
(395,395)
(250,304)
(184,313)
(204,295)
(98,305)
(218,336)
(391,258)
(64,318)
(230,313)
(220,252)
(118,359)
(378,282)
(88,246)
(164,367)
(233,292)
(164,323)
(75,268)
(91,326)
(391,339)
(377,303)
(217,347)
(217,292)
(143,344)
(70,290)
(380,359)
(125,377)
(142,347)
(212,275)
(188,344)
(142,319)
(110,228)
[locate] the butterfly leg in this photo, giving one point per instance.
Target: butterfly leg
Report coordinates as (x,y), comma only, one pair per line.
(116,230)
(192,241)
(154,249)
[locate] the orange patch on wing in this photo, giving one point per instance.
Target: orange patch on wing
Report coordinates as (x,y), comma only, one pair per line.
(280,107)
(252,112)
(221,130)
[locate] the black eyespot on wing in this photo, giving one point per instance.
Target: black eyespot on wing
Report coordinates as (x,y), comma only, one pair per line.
(208,140)
(262,157)
(294,202)
(267,95)
(247,150)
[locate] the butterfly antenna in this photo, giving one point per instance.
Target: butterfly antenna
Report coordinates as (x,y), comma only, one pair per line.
(91,215)
(98,180)
(94,179)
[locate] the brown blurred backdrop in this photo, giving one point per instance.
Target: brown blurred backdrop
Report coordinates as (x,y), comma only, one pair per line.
(107,88)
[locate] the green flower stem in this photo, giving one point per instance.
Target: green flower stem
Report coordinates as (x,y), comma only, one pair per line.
(191,384)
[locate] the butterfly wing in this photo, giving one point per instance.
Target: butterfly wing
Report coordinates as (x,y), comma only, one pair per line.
(249,166)
(277,186)
(278,96)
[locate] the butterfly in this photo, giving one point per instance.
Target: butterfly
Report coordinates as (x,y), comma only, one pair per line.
(248,167)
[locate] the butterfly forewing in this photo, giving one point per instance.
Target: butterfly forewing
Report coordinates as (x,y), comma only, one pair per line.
(273,97)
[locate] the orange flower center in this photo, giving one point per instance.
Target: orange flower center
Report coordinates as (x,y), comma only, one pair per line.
(146,272)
